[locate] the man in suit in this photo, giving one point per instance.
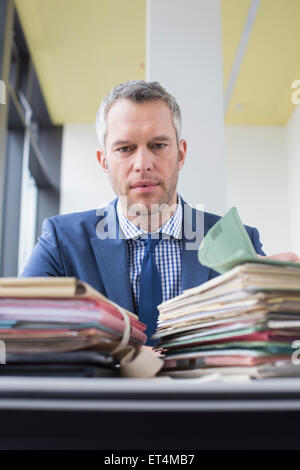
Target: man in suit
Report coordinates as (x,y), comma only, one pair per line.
(141,152)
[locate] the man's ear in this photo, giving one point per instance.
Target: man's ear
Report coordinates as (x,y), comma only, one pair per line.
(102,160)
(182,145)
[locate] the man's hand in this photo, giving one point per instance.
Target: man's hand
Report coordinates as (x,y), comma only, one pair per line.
(289,256)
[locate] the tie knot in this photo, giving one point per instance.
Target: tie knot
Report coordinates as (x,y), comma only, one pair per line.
(150,243)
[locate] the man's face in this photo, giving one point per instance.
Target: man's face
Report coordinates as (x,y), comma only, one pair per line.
(142,157)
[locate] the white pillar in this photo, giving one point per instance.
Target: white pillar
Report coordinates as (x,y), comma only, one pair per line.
(184,54)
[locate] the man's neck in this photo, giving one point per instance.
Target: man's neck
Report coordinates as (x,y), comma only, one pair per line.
(152,222)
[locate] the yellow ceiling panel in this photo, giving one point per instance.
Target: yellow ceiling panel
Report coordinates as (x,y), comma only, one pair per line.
(262,94)
(81,48)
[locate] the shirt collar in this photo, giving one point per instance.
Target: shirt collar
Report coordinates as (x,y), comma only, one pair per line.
(171,227)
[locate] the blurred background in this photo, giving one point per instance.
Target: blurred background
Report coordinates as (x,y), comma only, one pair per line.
(233,66)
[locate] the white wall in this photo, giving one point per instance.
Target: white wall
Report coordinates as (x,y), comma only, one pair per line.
(263,180)
(257,182)
(84,186)
(184,53)
(292,140)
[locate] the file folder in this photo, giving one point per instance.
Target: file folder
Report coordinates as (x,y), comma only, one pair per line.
(227,244)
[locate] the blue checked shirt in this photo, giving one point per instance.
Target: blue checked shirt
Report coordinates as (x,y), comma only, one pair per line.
(167,253)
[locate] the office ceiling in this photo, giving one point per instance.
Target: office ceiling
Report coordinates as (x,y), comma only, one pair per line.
(82,48)
(262,93)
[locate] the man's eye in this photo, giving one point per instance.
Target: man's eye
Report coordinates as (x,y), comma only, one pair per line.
(124,149)
(159,146)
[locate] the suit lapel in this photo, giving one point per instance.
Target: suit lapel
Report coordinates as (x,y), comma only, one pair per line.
(194,227)
(111,256)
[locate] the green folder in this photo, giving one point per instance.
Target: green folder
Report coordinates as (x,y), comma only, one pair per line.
(227,244)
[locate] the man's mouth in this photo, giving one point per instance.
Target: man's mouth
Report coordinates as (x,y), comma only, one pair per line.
(144,186)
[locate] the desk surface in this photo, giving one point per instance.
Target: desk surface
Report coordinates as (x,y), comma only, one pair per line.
(162,413)
(149,394)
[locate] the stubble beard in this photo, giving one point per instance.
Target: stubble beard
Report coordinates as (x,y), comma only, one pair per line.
(151,215)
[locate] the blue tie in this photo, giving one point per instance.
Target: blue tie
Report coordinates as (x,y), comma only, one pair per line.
(150,289)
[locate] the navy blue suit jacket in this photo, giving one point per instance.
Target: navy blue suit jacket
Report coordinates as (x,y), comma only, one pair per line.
(84,245)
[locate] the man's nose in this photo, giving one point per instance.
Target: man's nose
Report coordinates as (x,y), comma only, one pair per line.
(143,159)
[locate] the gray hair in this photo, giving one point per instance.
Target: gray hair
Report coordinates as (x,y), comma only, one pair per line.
(137,91)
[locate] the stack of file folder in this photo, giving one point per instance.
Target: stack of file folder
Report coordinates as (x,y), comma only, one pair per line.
(62,326)
(245,321)
(247,317)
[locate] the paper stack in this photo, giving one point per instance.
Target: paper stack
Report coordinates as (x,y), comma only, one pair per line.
(62,326)
(245,321)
